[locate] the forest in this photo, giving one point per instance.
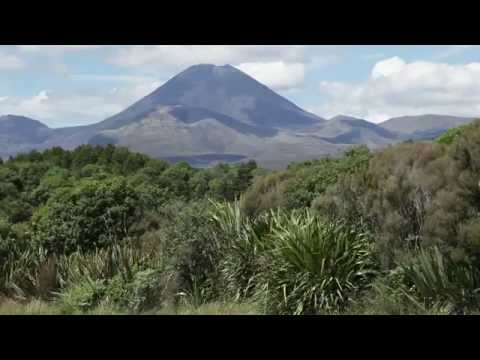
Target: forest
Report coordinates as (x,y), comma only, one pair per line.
(103,230)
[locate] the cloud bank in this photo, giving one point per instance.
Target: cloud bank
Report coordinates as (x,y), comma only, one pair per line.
(396,87)
(58,109)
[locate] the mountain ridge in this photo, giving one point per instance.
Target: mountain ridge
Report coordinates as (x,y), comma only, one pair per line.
(423,126)
(215,113)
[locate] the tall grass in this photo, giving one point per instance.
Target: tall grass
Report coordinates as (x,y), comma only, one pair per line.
(436,279)
(285,262)
(34,307)
(241,243)
(124,260)
(27,273)
(126,275)
(314,266)
(292,262)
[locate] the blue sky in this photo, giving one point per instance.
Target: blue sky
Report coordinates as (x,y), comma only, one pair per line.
(73,85)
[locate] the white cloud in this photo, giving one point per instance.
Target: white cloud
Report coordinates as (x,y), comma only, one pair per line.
(127,88)
(281,67)
(278,66)
(10,62)
(388,67)
(277,75)
(168,58)
(155,57)
(50,58)
(59,109)
(397,88)
(176,57)
(127,79)
(39,99)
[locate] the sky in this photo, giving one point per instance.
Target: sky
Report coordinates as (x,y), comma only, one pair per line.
(67,85)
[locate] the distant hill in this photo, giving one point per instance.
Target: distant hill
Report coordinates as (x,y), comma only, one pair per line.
(423,126)
(24,129)
(19,133)
(349,130)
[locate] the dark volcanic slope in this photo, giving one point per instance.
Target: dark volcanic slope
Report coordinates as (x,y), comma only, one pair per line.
(423,126)
(224,90)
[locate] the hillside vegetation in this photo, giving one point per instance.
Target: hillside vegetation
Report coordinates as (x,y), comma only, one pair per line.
(102,230)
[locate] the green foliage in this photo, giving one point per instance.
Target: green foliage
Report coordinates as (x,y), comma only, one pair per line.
(290,263)
(23,271)
(106,228)
(438,279)
(191,241)
(414,194)
(452,134)
(314,266)
(54,179)
(449,136)
(389,295)
(93,214)
(144,291)
(5,228)
(267,192)
(301,183)
(240,240)
(176,179)
(82,297)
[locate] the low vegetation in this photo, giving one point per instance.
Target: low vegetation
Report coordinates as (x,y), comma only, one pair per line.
(102,230)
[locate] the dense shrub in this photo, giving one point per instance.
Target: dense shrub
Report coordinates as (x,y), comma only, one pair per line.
(451,135)
(267,192)
(314,266)
(92,215)
(190,242)
(240,241)
(413,194)
(389,295)
(145,290)
(83,296)
(436,278)
(115,229)
(290,263)
(302,182)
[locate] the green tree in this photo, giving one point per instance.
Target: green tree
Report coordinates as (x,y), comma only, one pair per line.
(176,178)
(93,214)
